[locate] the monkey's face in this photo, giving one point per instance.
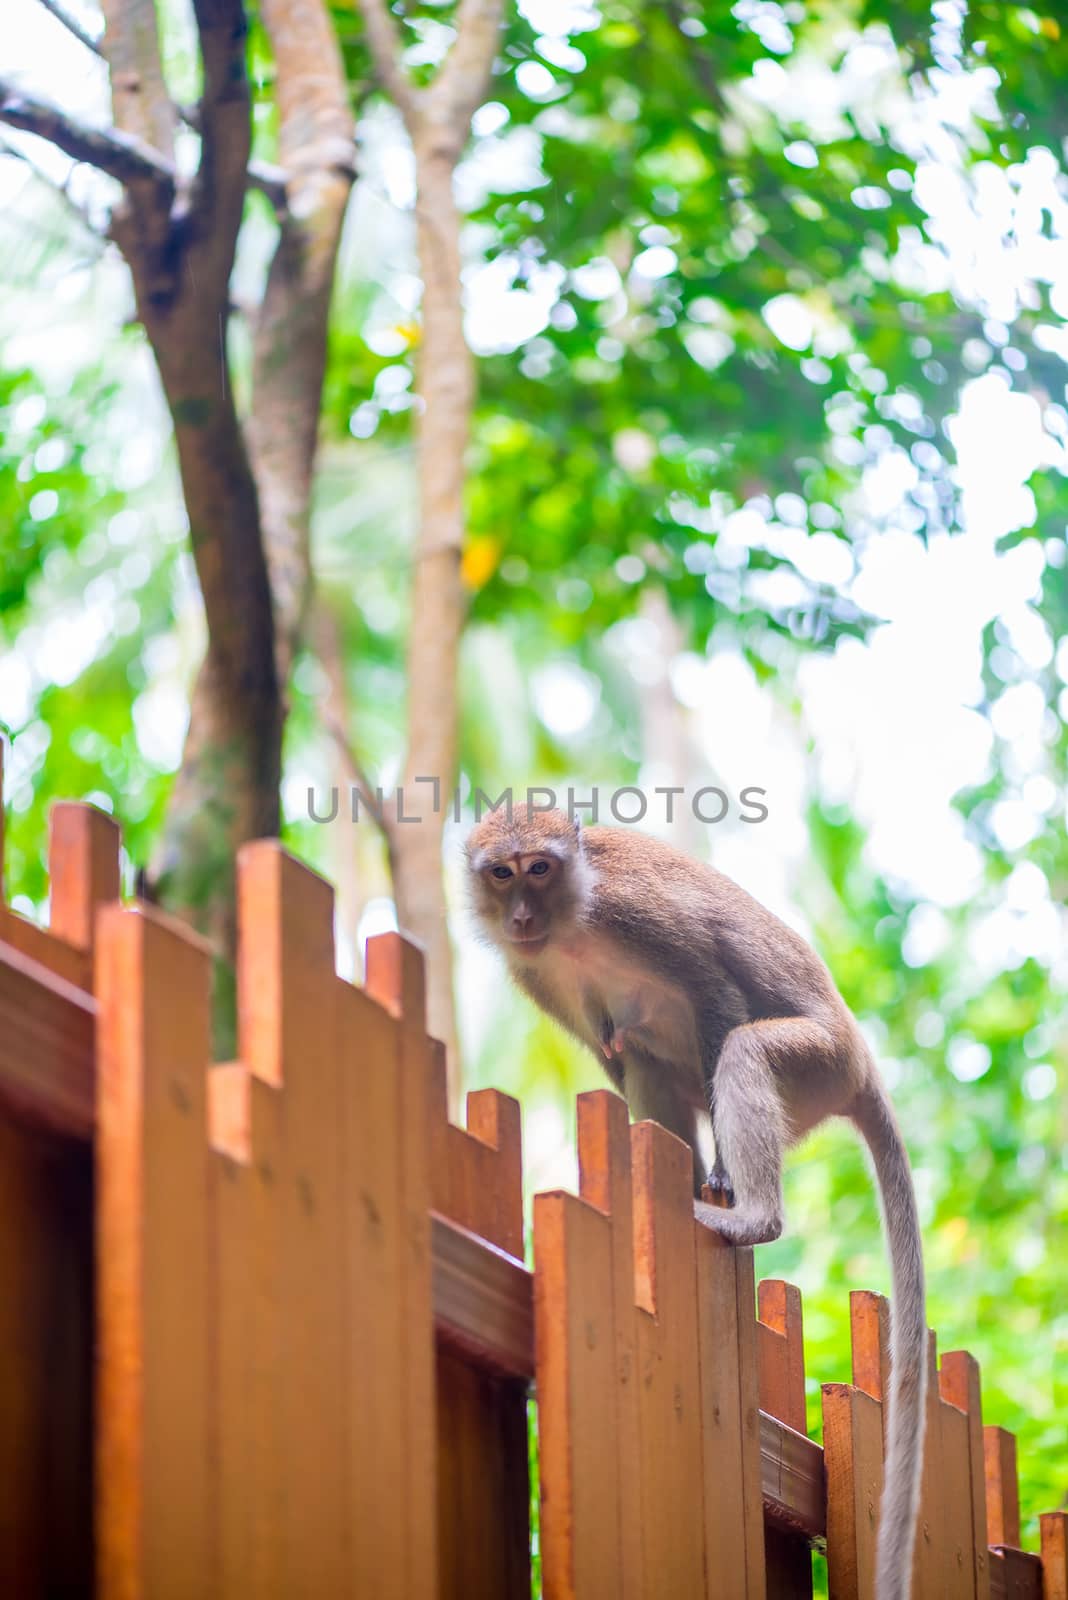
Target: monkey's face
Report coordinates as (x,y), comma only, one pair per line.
(526,881)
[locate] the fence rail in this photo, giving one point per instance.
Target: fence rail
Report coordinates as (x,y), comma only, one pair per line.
(266,1329)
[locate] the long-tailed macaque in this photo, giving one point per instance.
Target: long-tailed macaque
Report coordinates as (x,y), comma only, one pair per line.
(700,1003)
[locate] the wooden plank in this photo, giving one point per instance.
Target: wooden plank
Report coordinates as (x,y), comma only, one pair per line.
(582,1552)
(476,1174)
(752,1428)
(152,1461)
(37,944)
(604,1152)
(781,1352)
(232,1301)
(670,1392)
(395,978)
(853,1455)
(1053,1526)
(723,1433)
(1002,1487)
(287,1009)
(482,1305)
(792,1480)
(83,870)
(928,1567)
(869,1326)
(781,1367)
(46,1048)
(956,1528)
(1015,1574)
(375,1379)
(476,1179)
(959,1383)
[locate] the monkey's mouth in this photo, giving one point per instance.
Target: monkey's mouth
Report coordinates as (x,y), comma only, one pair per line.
(531,946)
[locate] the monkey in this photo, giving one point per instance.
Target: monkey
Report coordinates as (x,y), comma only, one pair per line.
(702,1005)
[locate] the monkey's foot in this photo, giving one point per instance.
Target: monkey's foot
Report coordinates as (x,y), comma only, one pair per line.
(736,1226)
(720,1185)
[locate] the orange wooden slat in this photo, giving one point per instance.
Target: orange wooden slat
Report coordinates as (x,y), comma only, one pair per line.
(928,1565)
(152,1460)
(1053,1527)
(233,1337)
(869,1324)
(477,1173)
(582,1551)
(375,1380)
(749,1400)
(956,1528)
(1002,1487)
(37,944)
(726,1437)
(46,1048)
(959,1383)
(669,1383)
(287,1008)
(395,977)
(483,1492)
(782,1352)
(1015,1574)
(853,1458)
(83,870)
(604,1151)
(781,1363)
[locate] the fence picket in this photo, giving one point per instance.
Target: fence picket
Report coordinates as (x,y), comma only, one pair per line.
(1002,1487)
(781,1352)
(1053,1526)
(152,1463)
(604,1152)
(959,1383)
(729,1469)
(669,1405)
(956,1528)
(396,978)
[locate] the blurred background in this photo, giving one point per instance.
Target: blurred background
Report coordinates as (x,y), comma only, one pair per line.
(765,488)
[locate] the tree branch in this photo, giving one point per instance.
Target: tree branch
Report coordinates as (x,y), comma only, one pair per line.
(72,25)
(225,133)
(317,148)
(140,101)
(121,155)
(384,43)
(263,176)
(462,78)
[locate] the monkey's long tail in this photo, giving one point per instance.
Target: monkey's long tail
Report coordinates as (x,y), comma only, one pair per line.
(874,1117)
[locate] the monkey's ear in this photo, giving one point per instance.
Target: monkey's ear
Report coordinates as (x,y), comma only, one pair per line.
(576,823)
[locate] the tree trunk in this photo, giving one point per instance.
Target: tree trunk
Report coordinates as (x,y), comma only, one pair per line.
(438,120)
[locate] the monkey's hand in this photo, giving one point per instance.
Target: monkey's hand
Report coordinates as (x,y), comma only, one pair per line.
(618,1032)
(613,1039)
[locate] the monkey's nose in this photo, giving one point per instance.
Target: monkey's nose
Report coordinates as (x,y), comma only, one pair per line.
(522,916)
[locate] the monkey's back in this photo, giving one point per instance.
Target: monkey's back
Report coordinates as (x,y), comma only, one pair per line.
(693,924)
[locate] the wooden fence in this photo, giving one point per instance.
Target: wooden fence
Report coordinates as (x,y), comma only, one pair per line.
(266,1330)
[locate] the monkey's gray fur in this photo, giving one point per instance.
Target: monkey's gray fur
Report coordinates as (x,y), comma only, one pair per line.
(699,1002)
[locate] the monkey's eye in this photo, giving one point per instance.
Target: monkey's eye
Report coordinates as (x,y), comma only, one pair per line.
(539,869)
(502,873)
